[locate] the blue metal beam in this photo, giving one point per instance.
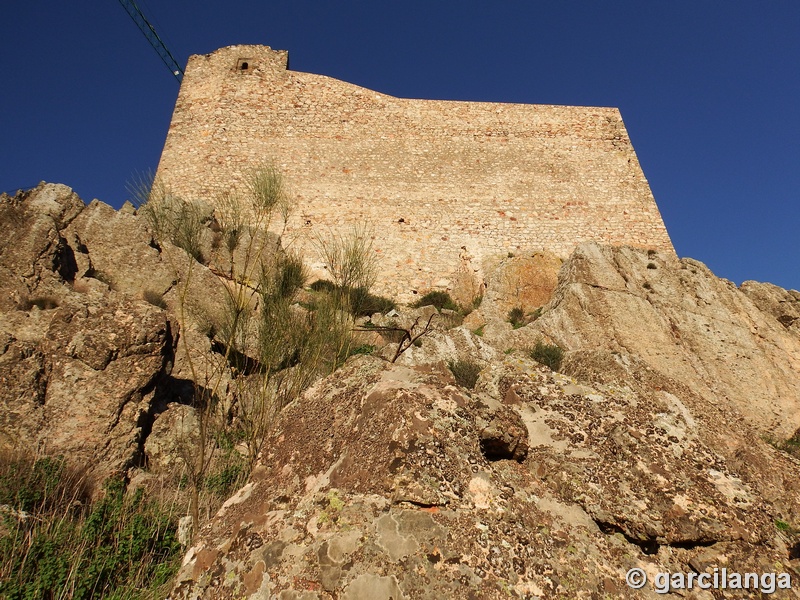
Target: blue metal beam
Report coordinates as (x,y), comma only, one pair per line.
(150,33)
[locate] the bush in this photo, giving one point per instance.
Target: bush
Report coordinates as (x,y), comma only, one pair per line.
(790,446)
(121,546)
(225,481)
(547,354)
(465,371)
(516,316)
(362,349)
(365,304)
(359,302)
(438,299)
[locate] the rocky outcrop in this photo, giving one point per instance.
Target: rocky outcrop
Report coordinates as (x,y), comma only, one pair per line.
(388,481)
(661,445)
(737,348)
(80,363)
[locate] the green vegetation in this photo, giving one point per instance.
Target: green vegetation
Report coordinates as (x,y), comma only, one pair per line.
(548,354)
(465,371)
(516,316)
(790,446)
(362,349)
(360,301)
(438,299)
(55,542)
(782,526)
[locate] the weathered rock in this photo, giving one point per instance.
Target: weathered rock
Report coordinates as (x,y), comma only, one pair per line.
(34,256)
(378,484)
(682,321)
(782,304)
(525,282)
(449,345)
(115,247)
(86,388)
(174,433)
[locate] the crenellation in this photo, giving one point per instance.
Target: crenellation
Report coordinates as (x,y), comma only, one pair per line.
(433,178)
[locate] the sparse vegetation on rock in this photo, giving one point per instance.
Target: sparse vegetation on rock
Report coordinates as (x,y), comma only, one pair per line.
(465,371)
(549,355)
(439,299)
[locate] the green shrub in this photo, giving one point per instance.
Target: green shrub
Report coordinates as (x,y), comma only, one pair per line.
(465,372)
(227,480)
(122,546)
(790,446)
(547,354)
(438,299)
(476,301)
(359,302)
(362,349)
(365,304)
(479,331)
(282,277)
(516,316)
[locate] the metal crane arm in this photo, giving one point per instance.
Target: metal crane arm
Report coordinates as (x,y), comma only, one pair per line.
(150,33)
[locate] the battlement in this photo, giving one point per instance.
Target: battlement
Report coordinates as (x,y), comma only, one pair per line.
(444,185)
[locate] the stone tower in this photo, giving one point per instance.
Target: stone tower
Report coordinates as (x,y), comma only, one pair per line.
(443,185)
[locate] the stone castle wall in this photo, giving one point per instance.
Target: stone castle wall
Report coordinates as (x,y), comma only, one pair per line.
(443,185)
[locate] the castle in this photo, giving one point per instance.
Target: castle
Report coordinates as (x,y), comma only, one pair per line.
(443,185)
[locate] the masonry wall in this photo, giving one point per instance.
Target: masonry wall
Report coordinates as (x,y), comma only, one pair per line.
(444,185)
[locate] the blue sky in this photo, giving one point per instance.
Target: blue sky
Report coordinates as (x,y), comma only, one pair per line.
(709,91)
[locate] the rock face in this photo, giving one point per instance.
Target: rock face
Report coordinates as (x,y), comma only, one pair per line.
(736,348)
(385,481)
(92,306)
(80,363)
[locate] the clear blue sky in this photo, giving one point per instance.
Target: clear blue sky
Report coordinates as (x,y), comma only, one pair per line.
(709,91)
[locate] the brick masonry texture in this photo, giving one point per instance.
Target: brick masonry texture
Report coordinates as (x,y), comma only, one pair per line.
(444,185)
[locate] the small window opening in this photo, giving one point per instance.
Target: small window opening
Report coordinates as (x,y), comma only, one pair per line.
(243,64)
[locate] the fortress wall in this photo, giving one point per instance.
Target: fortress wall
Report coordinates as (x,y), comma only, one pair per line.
(443,184)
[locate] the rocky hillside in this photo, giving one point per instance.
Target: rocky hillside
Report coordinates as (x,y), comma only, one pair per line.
(667,441)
